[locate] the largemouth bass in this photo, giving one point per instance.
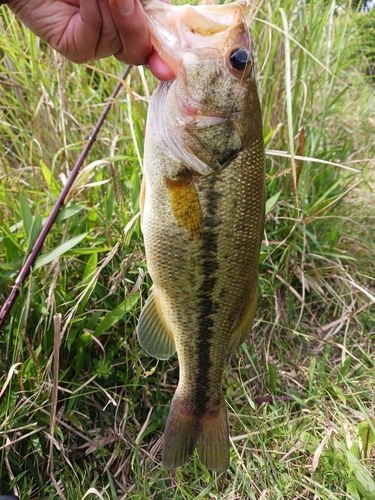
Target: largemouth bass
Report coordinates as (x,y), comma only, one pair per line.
(202,215)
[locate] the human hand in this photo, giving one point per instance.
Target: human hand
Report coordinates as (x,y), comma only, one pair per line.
(84,30)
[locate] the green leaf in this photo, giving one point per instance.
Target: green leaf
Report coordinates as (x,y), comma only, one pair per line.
(352,490)
(93,320)
(11,246)
(361,477)
(48,177)
(91,250)
(34,232)
(116,315)
(344,370)
(78,358)
(27,216)
(312,366)
(339,393)
(91,265)
(59,432)
(136,189)
(72,417)
(92,218)
(120,158)
(272,376)
(367,436)
(110,204)
(88,275)
(272,202)
(310,441)
(85,339)
(58,251)
(72,337)
(67,212)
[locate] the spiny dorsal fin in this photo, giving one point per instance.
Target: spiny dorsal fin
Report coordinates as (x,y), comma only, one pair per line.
(152,333)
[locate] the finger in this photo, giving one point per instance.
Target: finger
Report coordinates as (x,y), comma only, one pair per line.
(159,68)
(91,14)
(95,31)
(109,42)
(85,29)
(132,27)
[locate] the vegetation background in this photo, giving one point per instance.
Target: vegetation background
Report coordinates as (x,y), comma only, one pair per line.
(82,408)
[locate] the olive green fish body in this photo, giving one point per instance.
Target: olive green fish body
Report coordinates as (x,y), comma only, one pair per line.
(202,219)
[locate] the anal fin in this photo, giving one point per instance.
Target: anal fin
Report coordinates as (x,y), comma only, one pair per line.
(152,332)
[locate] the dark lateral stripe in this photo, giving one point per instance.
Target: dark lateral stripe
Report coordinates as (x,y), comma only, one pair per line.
(207,307)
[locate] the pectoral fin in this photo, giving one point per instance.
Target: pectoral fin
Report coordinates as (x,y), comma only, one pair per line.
(240,333)
(152,332)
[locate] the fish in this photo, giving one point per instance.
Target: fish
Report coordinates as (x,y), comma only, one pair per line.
(202,215)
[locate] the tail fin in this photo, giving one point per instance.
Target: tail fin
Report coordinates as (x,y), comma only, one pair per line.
(184,429)
(181,434)
(213,443)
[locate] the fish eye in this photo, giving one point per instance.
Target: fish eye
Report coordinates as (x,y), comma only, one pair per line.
(239,59)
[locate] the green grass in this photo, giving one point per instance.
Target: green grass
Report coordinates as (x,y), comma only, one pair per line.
(91,426)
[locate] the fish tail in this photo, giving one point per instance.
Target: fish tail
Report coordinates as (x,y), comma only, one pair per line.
(213,443)
(185,429)
(181,434)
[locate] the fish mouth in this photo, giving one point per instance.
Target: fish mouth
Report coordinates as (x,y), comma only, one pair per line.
(176,29)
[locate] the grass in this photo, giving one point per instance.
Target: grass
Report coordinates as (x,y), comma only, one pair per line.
(82,408)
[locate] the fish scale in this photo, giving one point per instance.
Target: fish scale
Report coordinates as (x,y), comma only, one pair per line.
(202,219)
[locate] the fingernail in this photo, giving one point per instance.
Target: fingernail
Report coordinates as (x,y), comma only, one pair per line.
(125,6)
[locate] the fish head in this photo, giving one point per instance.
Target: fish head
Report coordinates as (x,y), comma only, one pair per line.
(206,111)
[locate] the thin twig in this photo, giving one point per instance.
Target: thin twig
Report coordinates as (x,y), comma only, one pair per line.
(59,203)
